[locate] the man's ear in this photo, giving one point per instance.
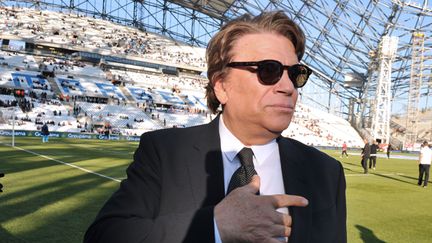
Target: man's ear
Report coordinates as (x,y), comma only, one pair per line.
(220,91)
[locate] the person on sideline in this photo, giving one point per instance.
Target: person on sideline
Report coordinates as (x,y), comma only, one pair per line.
(365,155)
(344,150)
(424,164)
(235,179)
(373,155)
(45,133)
(389,149)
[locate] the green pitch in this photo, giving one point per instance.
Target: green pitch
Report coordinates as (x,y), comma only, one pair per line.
(53,191)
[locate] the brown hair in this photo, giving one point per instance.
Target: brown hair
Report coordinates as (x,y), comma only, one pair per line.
(219,49)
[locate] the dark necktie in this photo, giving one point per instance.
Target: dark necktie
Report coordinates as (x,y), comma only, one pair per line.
(243,175)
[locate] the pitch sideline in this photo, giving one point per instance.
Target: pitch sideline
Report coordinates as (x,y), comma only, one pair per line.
(62,162)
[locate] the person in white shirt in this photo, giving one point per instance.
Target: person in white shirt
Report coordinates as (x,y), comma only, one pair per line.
(424,164)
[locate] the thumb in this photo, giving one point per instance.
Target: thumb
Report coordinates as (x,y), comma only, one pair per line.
(254,185)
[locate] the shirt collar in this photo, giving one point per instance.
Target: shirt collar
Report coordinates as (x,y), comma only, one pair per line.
(231,145)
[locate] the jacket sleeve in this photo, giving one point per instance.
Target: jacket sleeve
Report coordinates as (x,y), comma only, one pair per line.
(341,207)
(132,213)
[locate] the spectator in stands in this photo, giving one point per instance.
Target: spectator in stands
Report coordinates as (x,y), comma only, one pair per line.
(373,155)
(365,155)
(189,184)
(424,161)
(389,149)
(45,133)
(344,150)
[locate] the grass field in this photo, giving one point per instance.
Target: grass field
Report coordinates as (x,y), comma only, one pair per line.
(51,192)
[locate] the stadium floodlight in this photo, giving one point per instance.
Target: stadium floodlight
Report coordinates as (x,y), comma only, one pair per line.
(355,80)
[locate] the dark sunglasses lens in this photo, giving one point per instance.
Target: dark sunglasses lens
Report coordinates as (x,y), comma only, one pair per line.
(270,72)
(299,74)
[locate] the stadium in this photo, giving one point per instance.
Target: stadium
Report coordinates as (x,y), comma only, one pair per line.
(101,73)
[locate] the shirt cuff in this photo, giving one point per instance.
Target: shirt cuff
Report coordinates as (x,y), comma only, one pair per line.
(216,232)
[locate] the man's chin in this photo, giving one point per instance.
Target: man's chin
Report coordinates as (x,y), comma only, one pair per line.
(278,129)
(279,122)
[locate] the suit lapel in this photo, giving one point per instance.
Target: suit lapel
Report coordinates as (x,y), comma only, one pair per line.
(294,177)
(206,166)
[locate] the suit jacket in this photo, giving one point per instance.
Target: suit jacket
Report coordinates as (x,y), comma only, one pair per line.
(176,179)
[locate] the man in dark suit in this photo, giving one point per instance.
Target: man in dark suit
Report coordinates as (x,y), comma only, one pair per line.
(196,185)
(366,151)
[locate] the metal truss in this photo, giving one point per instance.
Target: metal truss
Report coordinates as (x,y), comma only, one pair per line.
(417,77)
(382,103)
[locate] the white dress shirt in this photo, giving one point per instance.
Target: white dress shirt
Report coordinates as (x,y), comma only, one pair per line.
(425,155)
(266,161)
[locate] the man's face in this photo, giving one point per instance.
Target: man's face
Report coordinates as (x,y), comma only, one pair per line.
(251,109)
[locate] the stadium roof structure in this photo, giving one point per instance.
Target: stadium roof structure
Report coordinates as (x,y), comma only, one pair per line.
(343,38)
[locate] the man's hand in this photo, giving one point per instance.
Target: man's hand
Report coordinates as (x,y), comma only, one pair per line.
(242,216)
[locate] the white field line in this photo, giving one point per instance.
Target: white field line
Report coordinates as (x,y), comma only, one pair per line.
(385,174)
(65,163)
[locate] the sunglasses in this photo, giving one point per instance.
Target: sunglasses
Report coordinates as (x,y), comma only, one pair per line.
(270,71)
